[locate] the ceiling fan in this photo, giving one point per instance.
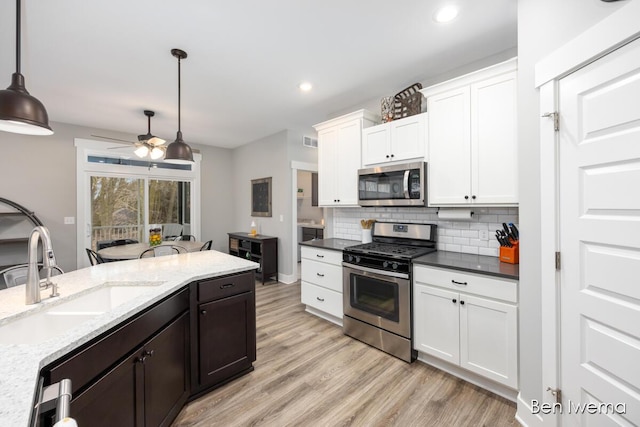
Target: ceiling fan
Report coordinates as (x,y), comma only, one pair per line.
(147,144)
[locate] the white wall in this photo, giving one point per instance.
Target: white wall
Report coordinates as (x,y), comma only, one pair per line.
(543,26)
(270,157)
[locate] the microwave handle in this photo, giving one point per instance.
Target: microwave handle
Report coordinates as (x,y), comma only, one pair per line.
(406,183)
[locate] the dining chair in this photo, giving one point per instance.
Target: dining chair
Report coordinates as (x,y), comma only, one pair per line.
(17,274)
(162,250)
(94,258)
(170,231)
(188,237)
(207,245)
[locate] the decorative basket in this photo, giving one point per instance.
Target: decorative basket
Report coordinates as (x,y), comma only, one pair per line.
(408,102)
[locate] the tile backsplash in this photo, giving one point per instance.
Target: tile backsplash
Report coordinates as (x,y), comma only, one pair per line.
(453,235)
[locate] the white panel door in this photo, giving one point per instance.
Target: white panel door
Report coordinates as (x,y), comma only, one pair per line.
(375,144)
(494,140)
(436,323)
(489,339)
(348,160)
(449,147)
(408,138)
(600,240)
(327,168)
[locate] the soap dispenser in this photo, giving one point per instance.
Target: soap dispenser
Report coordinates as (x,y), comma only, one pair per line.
(254,229)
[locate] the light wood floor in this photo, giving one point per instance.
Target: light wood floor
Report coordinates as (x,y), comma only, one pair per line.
(308,373)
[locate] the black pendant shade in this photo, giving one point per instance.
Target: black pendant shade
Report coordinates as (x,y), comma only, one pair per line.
(19,111)
(178,151)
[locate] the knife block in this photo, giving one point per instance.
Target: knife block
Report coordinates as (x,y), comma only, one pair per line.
(510,255)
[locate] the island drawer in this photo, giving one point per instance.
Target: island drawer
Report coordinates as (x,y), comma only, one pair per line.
(221,287)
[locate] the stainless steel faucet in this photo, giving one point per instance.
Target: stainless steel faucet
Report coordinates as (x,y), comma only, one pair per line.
(48,259)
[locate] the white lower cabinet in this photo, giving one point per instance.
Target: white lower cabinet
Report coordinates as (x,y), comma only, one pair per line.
(467,320)
(321,282)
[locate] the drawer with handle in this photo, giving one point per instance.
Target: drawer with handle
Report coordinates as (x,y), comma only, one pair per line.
(220,287)
(322,274)
(488,286)
(322,299)
(322,255)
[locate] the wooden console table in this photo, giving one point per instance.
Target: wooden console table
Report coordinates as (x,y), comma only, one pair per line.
(261,249)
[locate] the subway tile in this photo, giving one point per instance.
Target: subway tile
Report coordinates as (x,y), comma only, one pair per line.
(488,252)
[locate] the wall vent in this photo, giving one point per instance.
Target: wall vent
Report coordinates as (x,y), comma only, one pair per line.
(309,142)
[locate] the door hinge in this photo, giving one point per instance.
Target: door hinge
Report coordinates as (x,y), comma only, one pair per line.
(557,393)
(556,119)
(557,260)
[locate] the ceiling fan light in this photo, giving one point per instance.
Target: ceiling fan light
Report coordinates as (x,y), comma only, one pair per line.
(178,152)
(155,141)
(20,112)
(156,153)
(142,151)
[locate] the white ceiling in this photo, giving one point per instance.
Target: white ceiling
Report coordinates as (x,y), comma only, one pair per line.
(101,63)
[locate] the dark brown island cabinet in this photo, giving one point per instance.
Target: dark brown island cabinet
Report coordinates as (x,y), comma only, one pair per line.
(259,248)
(142,372)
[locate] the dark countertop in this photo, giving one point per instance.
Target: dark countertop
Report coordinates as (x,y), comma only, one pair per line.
(333,244)
(470,263)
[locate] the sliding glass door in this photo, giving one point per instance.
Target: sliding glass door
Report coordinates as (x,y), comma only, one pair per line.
(121,198)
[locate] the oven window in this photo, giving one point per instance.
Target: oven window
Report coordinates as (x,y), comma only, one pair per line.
(378,297)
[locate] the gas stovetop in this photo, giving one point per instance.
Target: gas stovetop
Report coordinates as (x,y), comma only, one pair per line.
(391,250)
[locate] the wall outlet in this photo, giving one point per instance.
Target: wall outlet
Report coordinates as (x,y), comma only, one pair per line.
(281,218)
(69,220)
(484,234)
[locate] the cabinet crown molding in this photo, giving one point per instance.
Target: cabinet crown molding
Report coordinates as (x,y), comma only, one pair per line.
(467,79)
(360,114)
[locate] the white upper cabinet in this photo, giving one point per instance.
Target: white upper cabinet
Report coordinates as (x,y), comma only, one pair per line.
(339,158)
(398,140)
(472,137)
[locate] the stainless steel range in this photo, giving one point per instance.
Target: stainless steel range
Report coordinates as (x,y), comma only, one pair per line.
(377,286)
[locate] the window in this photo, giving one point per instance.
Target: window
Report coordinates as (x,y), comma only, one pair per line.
(122,198)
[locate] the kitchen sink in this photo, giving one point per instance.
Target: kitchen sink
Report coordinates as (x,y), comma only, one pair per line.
(57,319)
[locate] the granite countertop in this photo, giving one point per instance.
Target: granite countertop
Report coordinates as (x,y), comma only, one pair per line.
(333,244)
(470,263)
(21,363)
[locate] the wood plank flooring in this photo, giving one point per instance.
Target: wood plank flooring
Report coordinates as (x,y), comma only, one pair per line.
(308,373)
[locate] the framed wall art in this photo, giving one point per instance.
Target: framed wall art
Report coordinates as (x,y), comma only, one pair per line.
(261,197)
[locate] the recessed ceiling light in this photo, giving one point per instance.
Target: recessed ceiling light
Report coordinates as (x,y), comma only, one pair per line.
(305,86)
(446,14)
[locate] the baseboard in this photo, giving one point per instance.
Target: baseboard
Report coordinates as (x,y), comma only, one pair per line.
(525,415)
(287,278)
(480,381)
(324,315)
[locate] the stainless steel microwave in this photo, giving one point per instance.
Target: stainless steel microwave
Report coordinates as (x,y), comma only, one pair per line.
(397,185)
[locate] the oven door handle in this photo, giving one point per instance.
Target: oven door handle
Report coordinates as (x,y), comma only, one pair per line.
(406,183)
(373,271)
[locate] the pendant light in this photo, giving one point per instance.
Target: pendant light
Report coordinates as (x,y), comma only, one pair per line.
(19,111)
(178,151)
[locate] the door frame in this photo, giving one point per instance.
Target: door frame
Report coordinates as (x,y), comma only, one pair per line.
(611,33)
(295,167)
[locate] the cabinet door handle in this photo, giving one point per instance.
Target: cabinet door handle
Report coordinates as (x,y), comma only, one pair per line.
(454,300)
(227,285)
(392,156)
(319,275)
(466,197)
(148,353)
(320,299)
(387,156)
(458,283)
(461,302)
(203,312)
(473,197)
